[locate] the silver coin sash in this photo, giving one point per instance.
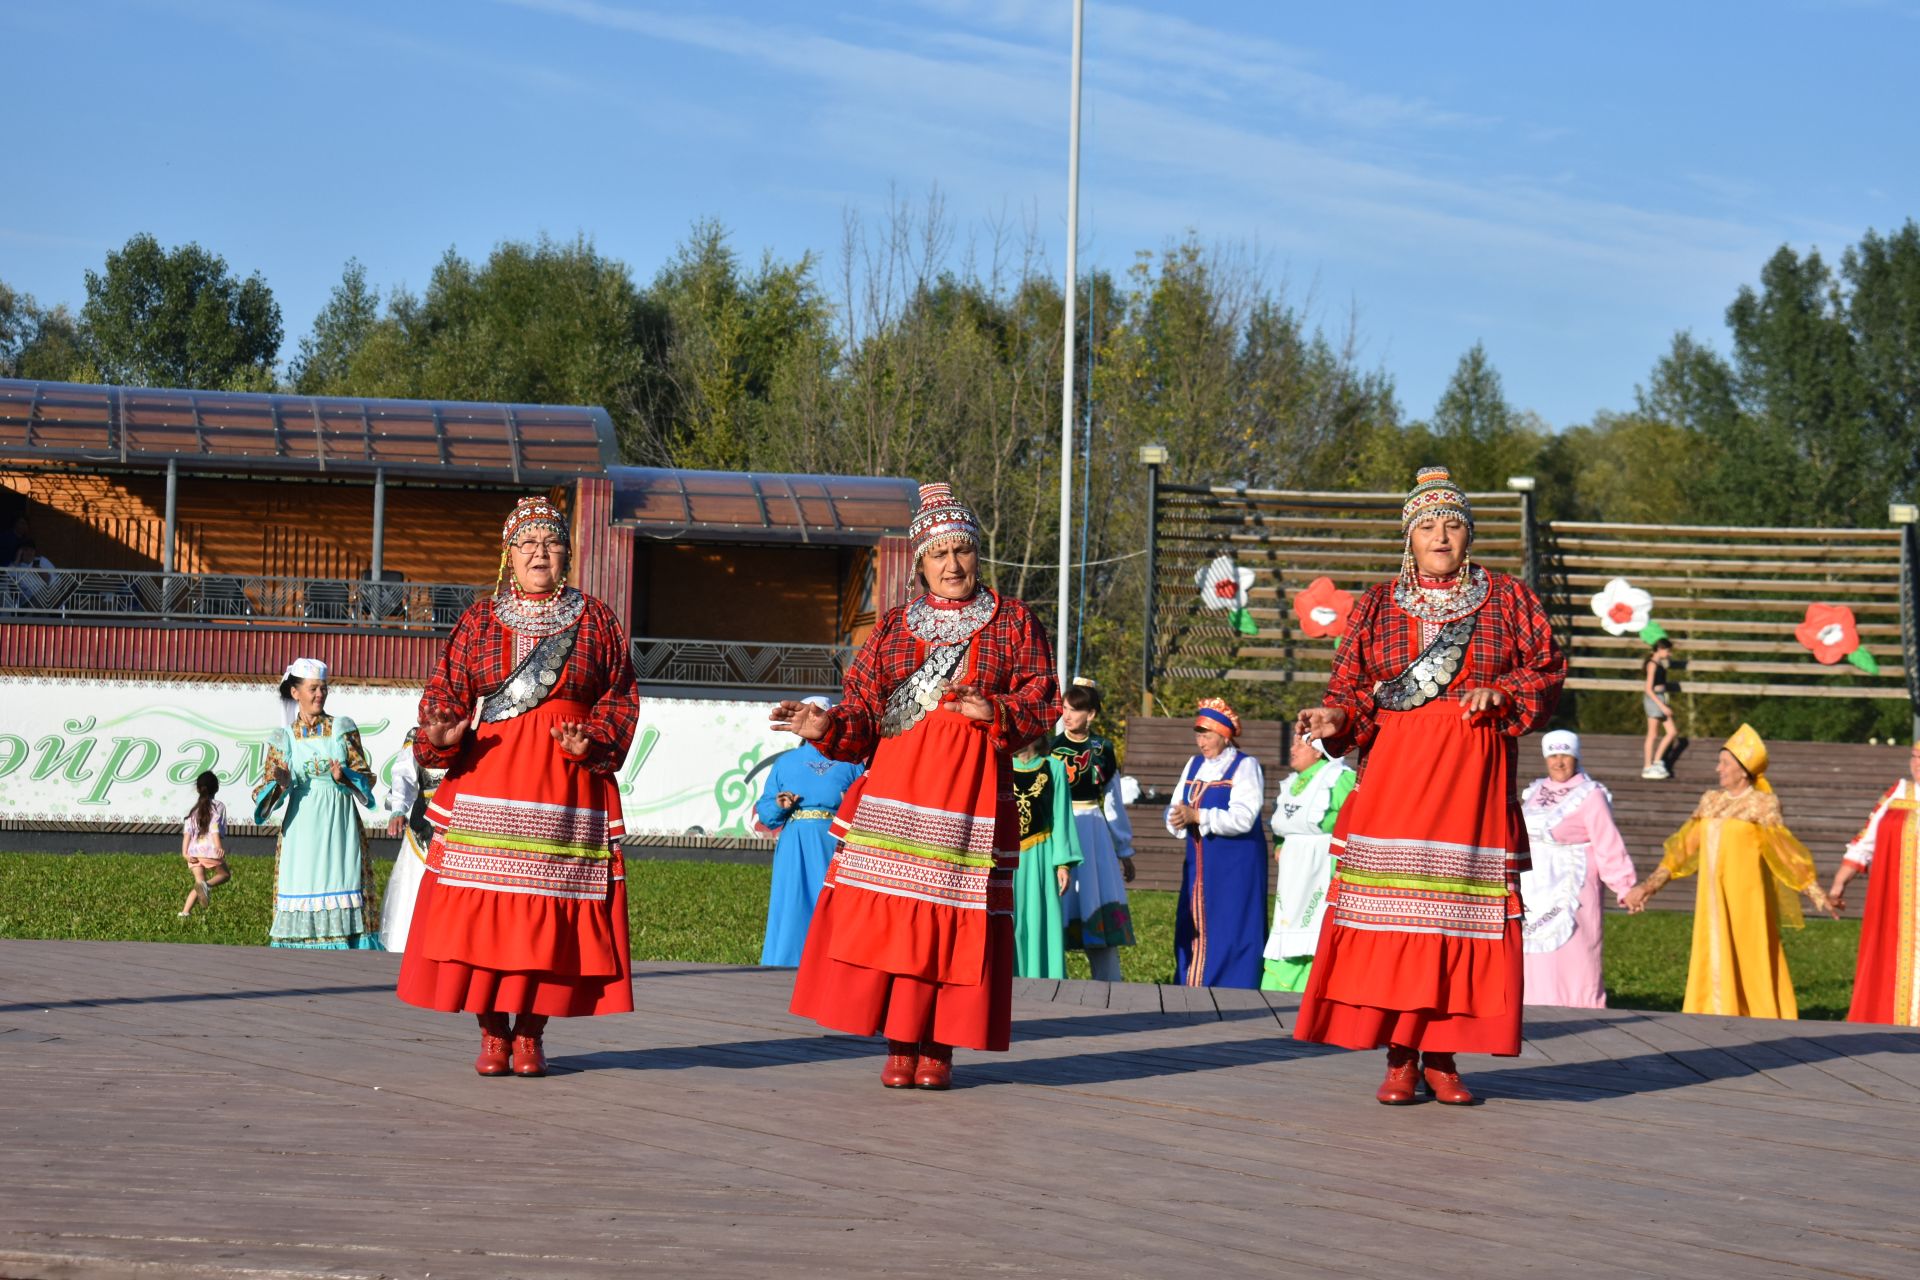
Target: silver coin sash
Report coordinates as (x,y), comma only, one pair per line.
(920,692)
(533,681)
(1428,676)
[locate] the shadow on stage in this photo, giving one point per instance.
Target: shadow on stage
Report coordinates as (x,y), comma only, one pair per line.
(1657,1071)
(189,997)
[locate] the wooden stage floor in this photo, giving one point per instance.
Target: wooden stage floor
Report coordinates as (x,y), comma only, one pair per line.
(176,1110)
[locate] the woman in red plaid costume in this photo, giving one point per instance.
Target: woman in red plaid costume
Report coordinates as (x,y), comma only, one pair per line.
(913,934)
(522,909)
(1441,671)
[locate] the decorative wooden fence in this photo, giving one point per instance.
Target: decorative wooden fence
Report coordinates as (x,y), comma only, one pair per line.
(1731,598)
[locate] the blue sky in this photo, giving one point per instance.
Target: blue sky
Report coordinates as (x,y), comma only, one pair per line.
(1569,184)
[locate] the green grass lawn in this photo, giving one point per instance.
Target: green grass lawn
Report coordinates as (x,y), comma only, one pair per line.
(714,912)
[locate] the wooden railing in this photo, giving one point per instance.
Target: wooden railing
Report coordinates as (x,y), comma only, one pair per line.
(1730,598)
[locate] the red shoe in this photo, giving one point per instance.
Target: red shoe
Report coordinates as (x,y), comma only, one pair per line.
(493,1045)
(529,1058)
(1397,1089)
(1443,1081)
(936,1067)
(901,1058)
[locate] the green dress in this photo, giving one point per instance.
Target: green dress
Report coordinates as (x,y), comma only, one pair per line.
(1047,841)
(323,882)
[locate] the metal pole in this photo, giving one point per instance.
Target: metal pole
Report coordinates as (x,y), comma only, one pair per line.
(1153,565)
(173,505)
(1086,490)
(1066,390)
(1909,619)
(379,521)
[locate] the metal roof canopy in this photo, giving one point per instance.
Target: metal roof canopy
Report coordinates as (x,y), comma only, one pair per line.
(745,506)
(234,431)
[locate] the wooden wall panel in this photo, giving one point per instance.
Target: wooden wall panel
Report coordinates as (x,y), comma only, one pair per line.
(266,527)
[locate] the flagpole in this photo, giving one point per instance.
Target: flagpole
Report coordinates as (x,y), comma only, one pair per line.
(1061,624)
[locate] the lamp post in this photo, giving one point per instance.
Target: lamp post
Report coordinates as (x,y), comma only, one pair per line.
(1066,389)
(1529,551)
(1154,456)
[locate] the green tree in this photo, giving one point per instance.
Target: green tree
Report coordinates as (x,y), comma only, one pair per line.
(1883,315)
(155,317)
(324,365)
(38,343)
(1801,447)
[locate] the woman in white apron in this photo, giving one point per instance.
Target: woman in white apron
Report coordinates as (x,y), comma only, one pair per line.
(407,798)
(1303,817)
(1576,847)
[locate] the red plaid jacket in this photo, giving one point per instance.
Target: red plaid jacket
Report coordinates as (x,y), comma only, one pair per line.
(1012,665)
(1512,649)
(480,655)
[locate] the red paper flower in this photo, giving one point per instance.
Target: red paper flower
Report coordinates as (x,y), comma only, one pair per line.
(1829,632)
(1323,609)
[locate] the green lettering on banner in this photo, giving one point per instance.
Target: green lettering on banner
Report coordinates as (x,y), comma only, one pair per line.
(189,767)
(118,768)
(253,763)
(56,754)
(16,753)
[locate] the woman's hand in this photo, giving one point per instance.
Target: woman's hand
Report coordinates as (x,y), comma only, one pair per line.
(809,720)
(1475,702)
(572,737)
(1060,878)
(1126,870)
(1315,723)
(395,825)
(787,800)
(969,701)
(1183,815)
(339,774)
(1635,899)
(281,777)
(444,731)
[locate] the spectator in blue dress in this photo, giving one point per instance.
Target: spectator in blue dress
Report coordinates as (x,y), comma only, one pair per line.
(804,791)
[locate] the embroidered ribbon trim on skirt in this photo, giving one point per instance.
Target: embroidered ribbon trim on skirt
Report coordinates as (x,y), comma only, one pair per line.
(911,851)
(526,846)
(1423,886)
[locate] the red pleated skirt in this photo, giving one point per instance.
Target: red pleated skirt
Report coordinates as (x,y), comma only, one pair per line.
(891,950)
(1885,975)
(502,935)
(1432,779)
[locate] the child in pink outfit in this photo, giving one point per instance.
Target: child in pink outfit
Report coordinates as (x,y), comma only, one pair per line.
(203,844)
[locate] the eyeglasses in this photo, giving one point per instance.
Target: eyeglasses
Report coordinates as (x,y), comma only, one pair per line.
(528,546)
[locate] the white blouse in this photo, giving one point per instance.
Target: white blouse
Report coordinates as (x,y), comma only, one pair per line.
(1244,802)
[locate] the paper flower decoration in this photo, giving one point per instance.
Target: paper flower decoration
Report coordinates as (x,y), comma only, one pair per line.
(1623,609)
(1830,634)
(1223,588)
(1323,609)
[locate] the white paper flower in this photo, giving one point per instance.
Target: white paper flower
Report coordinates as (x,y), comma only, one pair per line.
(1623,609)
(1223,584)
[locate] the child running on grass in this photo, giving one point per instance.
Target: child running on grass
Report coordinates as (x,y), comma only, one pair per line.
(201,842)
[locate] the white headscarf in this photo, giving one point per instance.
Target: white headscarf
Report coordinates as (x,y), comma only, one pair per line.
(1561,742)
(300,669)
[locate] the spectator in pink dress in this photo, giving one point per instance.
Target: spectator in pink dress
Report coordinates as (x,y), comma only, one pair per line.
(1576,848)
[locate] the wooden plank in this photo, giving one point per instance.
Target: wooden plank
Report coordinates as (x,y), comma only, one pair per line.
(1773,690)
(1707,531)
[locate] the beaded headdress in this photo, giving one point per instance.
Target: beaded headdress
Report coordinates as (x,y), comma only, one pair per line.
(942,518)
(530,513)
(1215,714)
(534,513)
(1435,494)
(1747,747)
